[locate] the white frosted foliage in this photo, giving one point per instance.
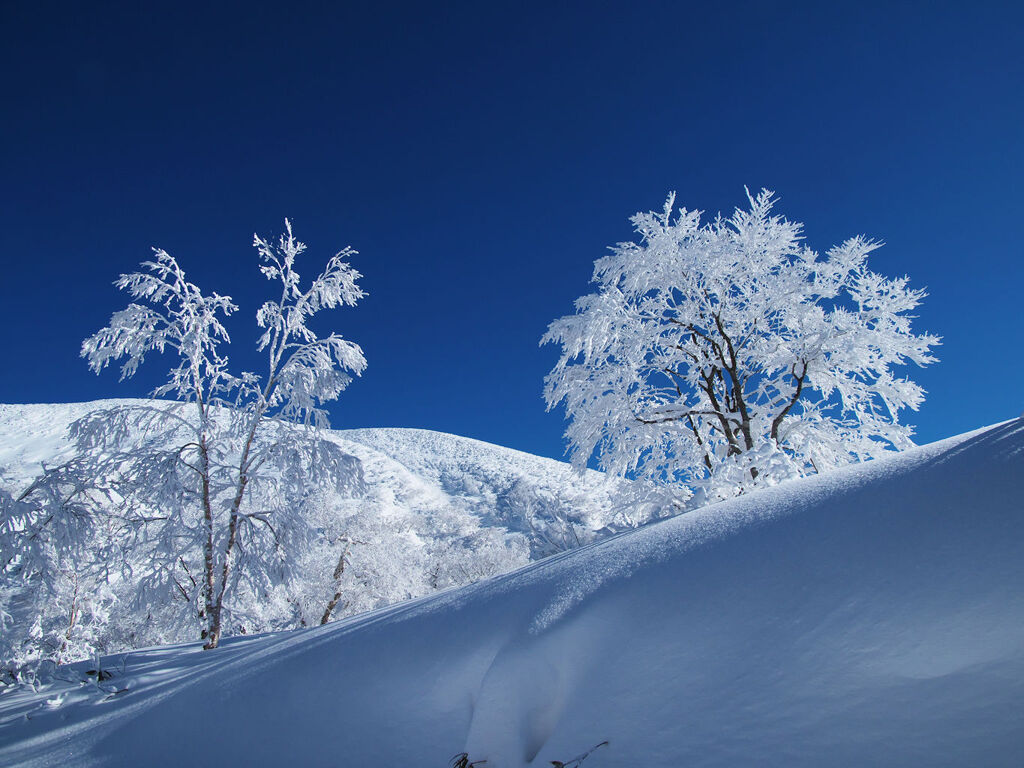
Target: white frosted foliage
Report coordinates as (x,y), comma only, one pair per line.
(722,355)
(192,511)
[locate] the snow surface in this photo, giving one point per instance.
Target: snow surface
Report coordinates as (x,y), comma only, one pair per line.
(871,616)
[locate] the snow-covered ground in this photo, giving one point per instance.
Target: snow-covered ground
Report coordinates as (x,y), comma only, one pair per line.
(872,616)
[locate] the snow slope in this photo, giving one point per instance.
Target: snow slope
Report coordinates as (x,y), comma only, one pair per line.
(872,616)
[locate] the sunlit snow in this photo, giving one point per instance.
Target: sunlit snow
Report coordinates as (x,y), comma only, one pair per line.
(872,616)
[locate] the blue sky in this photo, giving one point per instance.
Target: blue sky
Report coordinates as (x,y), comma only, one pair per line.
(480,156)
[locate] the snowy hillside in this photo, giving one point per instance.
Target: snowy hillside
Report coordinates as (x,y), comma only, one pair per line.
(424,471)
(543,498)
(873,616)
(413,512)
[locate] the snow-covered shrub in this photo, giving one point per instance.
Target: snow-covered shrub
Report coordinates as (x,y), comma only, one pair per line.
(549,519)
(55,593)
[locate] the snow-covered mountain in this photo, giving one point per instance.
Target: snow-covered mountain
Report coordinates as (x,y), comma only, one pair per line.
(423,470)
(871,616)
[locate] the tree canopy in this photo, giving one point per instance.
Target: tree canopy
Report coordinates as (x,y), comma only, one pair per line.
(720,355)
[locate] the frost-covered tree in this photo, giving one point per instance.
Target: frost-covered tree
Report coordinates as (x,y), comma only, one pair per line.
(55,543)
(546,516)
(372,551)
(212,489)
(723,355)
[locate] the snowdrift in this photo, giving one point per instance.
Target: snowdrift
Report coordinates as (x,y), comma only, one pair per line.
(873,616)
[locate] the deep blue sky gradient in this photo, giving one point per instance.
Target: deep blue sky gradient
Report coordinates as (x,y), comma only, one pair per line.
(480,156)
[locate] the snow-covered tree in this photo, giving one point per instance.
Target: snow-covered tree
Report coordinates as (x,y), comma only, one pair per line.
(54,602)
(722,355)
(212,489)
(546,516)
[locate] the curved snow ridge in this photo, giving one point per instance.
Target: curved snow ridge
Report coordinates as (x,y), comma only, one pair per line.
(464,466)
(872,616)
(550,502)
(427,450)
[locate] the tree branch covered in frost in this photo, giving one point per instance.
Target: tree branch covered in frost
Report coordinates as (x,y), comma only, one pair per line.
(724,355)
(304,370)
